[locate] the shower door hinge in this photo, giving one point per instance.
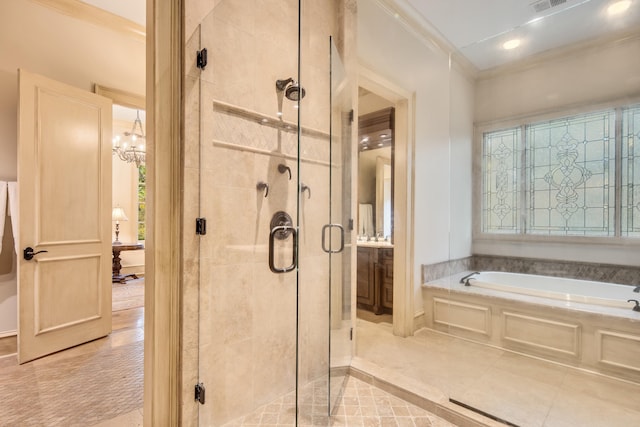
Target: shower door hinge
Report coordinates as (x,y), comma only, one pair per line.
(201,226)
(200,393)
(350,226)
(351,116)
(201,61)
(351,334)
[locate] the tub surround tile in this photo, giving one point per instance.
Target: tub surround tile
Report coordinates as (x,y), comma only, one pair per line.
(575,270)
(443,269)
(624,275)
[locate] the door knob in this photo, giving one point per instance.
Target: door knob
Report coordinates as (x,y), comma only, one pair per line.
(29,254)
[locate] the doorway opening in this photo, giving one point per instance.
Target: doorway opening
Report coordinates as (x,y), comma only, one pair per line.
(378,94)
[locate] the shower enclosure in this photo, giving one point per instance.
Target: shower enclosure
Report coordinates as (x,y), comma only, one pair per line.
(274,171)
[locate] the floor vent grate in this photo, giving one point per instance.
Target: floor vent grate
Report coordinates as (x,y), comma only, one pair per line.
(486,414)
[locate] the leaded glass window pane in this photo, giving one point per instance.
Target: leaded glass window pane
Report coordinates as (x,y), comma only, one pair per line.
(501,166)
(630,195)
(570,170)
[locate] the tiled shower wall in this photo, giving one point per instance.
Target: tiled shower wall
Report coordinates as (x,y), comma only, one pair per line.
(569,269)
(239,317)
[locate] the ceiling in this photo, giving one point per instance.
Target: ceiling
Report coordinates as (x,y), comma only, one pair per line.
(478,28)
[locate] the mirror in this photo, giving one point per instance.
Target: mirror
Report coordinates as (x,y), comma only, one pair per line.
(375,167)
(383,196)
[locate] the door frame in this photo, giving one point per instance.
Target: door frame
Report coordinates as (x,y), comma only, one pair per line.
(163,255)
(403,179)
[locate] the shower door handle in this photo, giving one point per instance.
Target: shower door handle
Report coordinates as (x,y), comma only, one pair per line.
(324,235)
(272,237)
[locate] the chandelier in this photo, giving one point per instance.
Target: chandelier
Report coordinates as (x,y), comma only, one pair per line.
(131,146)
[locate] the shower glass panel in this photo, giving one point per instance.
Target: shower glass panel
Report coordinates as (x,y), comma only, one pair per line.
(340,256)
(272,269)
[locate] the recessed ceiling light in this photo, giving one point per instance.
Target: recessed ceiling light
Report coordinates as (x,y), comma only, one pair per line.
(511,44)
(619,7)
(383,135)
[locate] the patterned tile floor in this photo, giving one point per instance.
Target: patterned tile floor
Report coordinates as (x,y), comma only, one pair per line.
(361,405)
(82,386)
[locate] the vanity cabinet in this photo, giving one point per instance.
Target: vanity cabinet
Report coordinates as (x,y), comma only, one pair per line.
(375,279)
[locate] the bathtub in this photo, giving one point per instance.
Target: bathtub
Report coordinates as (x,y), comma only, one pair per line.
(584,324)
(558,288)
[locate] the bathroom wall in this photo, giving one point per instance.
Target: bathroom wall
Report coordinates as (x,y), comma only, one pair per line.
(240,330)
(443,128)
(594,74)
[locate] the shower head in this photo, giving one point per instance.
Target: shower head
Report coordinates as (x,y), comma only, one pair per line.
(295,92)
(292,90)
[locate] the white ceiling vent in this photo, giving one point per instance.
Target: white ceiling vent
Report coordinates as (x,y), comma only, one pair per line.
(541,5)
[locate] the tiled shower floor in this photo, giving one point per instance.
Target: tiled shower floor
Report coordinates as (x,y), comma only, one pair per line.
(361,405)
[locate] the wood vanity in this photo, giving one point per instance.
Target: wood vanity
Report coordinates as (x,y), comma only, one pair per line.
(375,278)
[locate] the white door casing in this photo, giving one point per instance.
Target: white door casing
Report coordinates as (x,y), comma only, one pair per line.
(64,178)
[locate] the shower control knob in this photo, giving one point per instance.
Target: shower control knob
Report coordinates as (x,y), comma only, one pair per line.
(29,254)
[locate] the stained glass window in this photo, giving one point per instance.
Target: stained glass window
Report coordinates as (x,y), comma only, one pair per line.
(630,159)
(558,177)
(570,169)
(501,165)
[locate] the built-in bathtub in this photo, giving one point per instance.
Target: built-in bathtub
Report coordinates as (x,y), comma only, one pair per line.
(558,288)
(579,323)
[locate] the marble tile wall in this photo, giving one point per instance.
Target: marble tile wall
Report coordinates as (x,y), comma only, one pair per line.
(443,269)
(625,275)
(575,270)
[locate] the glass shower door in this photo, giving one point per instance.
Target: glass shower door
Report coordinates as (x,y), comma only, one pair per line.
(273,164)
(248,171)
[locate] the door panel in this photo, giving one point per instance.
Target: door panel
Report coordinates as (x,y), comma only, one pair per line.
(64,175)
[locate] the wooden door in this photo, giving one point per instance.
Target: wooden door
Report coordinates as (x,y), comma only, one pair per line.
(64,179)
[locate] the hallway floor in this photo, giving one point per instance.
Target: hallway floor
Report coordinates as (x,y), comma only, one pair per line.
(522,390)
(81,386)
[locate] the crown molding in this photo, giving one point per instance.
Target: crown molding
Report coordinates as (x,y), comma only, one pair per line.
(89,13)
(428,35)
(541,58)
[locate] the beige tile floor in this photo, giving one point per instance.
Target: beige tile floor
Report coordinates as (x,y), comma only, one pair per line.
(522,390)
(100,383)
(360,405)
(82,386)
